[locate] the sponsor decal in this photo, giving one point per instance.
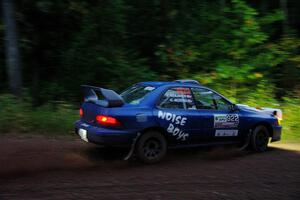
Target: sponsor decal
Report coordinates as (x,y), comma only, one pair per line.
(141,118)
(184,91)
(226,132)
(174,126)
(226,120)
(179,95)
(180,100)
(176,95)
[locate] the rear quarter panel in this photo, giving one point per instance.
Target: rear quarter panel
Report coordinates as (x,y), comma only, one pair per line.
(134,118)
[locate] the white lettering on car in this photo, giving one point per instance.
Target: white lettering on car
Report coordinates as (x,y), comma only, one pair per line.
(183,120)
(161,114)
(177,120)
(168,116)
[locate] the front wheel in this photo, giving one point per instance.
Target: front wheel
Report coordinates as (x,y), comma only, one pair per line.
(260,139)
(151,147)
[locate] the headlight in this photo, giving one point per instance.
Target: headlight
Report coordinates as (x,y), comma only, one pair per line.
(279,121)
(278,115)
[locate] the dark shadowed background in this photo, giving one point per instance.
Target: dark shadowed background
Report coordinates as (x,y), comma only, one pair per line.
(246,50)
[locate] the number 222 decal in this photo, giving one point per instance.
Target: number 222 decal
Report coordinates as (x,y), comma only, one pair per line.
(226,120)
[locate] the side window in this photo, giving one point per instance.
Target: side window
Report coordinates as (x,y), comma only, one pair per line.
(177,98)
(206,99)
(222,104)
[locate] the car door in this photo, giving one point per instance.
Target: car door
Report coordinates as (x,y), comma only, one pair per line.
(174,114)
(219,122)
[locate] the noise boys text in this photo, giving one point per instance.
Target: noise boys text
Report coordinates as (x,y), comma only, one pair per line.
(175,122)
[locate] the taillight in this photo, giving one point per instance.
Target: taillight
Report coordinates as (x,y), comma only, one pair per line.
(81,112)
(107,120)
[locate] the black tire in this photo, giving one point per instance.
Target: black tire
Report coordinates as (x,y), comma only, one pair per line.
(151,147)
(260,139)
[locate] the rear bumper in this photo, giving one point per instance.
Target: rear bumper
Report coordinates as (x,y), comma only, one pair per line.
(276,133)
(105,136)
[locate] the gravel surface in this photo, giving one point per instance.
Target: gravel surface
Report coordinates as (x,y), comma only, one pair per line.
(43,168)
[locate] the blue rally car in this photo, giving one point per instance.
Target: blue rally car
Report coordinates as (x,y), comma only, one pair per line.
(151,117)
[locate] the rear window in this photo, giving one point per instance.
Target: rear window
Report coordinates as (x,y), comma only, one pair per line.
(135,94)
(177,98)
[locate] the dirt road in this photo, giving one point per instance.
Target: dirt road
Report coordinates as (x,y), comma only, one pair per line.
(41,168)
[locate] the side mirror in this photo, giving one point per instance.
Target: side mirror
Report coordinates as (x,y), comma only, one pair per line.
(233,108)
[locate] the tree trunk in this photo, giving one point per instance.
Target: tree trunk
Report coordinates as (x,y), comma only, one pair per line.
(263,7)
(11,48)
(164,18)
(222,4)
(285,23)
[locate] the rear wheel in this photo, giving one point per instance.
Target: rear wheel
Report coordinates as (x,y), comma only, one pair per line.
(151,147)
(260,139)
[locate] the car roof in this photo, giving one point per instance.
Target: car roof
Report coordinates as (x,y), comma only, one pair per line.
(179,83)
(155,83)
(190,83)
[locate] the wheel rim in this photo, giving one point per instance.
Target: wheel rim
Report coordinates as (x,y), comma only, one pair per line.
(152,148)
(262,139)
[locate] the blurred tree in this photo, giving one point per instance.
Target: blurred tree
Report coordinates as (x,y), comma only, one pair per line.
(99,53)
(231,47)
(112,43)
(12,50)
(3,81)
(45,29)
(222,4)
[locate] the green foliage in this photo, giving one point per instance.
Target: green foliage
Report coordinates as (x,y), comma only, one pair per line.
(239,50)
(233,52)
(113,43)
(19,117)
(2,70)
(290,123)
(58,118)
(98,53)
(11,115)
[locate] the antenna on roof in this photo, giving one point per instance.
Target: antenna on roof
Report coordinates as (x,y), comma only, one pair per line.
(187,81)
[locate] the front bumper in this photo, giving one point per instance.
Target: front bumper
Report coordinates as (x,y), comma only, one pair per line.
(105,136)
(276,133)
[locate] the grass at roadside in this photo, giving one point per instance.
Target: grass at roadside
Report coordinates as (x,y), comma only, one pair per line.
(57,118)
(290,123)
(20,117)
(290,136)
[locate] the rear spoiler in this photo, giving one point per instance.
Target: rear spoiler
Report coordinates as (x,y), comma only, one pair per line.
(111,98)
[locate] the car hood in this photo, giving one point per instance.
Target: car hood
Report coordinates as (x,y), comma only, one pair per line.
(264,111)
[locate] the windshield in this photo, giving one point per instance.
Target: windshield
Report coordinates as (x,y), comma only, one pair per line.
(136,93)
